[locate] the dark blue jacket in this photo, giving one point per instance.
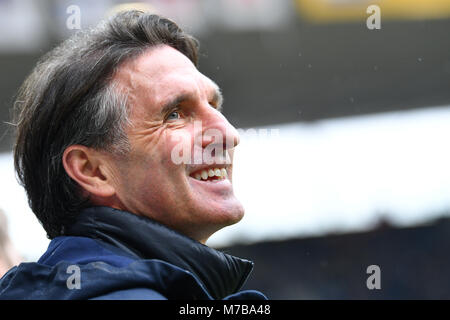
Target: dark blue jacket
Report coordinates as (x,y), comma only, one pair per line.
(119,255)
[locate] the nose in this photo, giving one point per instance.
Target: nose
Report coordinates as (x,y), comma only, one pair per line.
(217,130)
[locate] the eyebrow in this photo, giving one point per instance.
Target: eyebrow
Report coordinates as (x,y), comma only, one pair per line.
(172,103)
(216,97)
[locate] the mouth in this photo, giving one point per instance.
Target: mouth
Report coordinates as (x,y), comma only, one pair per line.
(211,174)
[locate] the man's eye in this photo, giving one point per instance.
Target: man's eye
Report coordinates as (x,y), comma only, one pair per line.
(173,116)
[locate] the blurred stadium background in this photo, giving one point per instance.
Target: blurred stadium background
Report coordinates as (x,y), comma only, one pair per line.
(350,163)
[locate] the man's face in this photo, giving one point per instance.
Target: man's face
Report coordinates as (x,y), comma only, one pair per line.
(169,101)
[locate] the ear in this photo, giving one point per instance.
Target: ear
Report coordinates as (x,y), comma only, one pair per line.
(89,169)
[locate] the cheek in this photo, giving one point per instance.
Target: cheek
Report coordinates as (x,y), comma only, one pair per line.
(154,157)
(178,148)
(169,154)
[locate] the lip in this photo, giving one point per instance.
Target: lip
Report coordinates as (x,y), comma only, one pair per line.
(217,186)
(194,169)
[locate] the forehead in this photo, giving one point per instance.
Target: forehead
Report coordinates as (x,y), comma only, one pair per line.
(159,74)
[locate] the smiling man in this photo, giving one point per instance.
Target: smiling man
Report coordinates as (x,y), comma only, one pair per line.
(101,123)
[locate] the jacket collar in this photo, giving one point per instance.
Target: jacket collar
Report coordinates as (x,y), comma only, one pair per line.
(143,238)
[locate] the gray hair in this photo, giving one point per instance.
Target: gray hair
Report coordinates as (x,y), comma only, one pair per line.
(71,98)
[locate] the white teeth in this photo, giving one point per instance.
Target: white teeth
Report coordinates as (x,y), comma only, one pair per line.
(224,173)
(205,174)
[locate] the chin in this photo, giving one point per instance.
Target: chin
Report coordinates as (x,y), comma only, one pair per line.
(208,218)
(223,217)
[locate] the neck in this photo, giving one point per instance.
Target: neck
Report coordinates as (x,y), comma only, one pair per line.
(220,273)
